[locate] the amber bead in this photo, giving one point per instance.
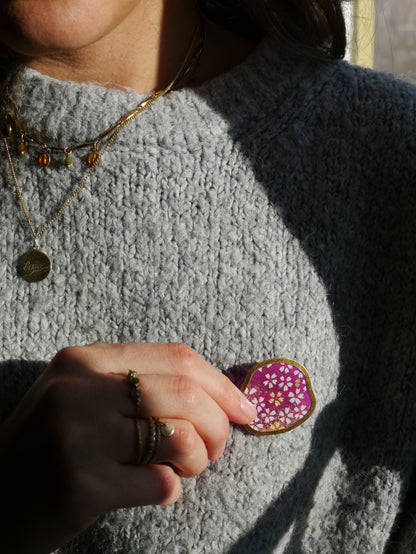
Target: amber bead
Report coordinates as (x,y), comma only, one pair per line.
(21,148)
(93,159)
(44,159)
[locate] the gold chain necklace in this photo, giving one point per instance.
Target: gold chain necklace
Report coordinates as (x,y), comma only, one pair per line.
(35,265)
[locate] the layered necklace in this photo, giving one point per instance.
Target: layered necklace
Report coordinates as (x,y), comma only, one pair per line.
(35,265)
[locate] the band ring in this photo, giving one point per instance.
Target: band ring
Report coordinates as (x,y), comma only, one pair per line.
(139,442)
(157,428)
(135,383)
(150,452)
(156,446)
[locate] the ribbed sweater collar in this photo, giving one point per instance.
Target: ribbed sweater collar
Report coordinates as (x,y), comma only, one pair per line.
(67,112)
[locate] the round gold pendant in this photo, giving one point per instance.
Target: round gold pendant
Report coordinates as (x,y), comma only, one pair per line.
(34,266)
(167,429)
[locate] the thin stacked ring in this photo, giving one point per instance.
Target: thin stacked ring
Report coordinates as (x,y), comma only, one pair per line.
(157,428)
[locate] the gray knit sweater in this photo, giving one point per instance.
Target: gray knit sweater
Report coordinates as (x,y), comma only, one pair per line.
(270,212)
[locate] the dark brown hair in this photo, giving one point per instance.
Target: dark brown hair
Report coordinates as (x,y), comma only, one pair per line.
(312,27)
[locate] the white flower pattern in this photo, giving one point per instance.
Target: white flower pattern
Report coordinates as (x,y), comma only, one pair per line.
(259,403)
(296,397)
(257,424)
(286,416)
(286,383)
(286,368)
(270,381)
(269,415)
(300,412)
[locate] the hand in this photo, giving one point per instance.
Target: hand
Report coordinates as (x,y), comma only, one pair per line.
(68,450)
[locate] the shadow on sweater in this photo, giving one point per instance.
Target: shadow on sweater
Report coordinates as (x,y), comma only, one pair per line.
(347,192)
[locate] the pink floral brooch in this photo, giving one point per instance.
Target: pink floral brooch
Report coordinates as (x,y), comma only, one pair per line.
(282,392)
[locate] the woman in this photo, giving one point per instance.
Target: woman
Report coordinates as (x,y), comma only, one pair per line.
(262,204)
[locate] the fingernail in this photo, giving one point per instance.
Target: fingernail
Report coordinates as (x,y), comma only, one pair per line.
(248,408)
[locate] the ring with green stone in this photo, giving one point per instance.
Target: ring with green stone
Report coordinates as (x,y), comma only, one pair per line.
(135,383)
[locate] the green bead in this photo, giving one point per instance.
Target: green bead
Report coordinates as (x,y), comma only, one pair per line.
(68,161)
(136,394)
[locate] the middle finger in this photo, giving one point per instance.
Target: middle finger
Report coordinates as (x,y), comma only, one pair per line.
(179,397)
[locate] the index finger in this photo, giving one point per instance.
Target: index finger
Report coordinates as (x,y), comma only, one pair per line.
(170,359)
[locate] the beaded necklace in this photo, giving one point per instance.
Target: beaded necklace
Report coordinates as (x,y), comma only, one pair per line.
(35,265)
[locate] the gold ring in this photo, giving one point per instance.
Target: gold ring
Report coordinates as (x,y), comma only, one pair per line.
(157,428)
(150,448)
(139,442)
(156,446)
(135,383)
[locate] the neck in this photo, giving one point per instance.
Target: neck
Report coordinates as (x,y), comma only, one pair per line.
(143,52)
(146,49)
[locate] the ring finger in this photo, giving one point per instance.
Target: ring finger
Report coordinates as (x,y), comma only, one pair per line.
(141,441)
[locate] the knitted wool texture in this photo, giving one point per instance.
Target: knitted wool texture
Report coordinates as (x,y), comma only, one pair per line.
(270,212)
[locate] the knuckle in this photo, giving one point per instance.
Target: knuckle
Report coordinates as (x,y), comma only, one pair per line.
(191,451)
(120,349)
(68,356)
(61,423)
(63,392)
(186,438)
(188,392)
(183,355)
(63,444)
(55,395)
